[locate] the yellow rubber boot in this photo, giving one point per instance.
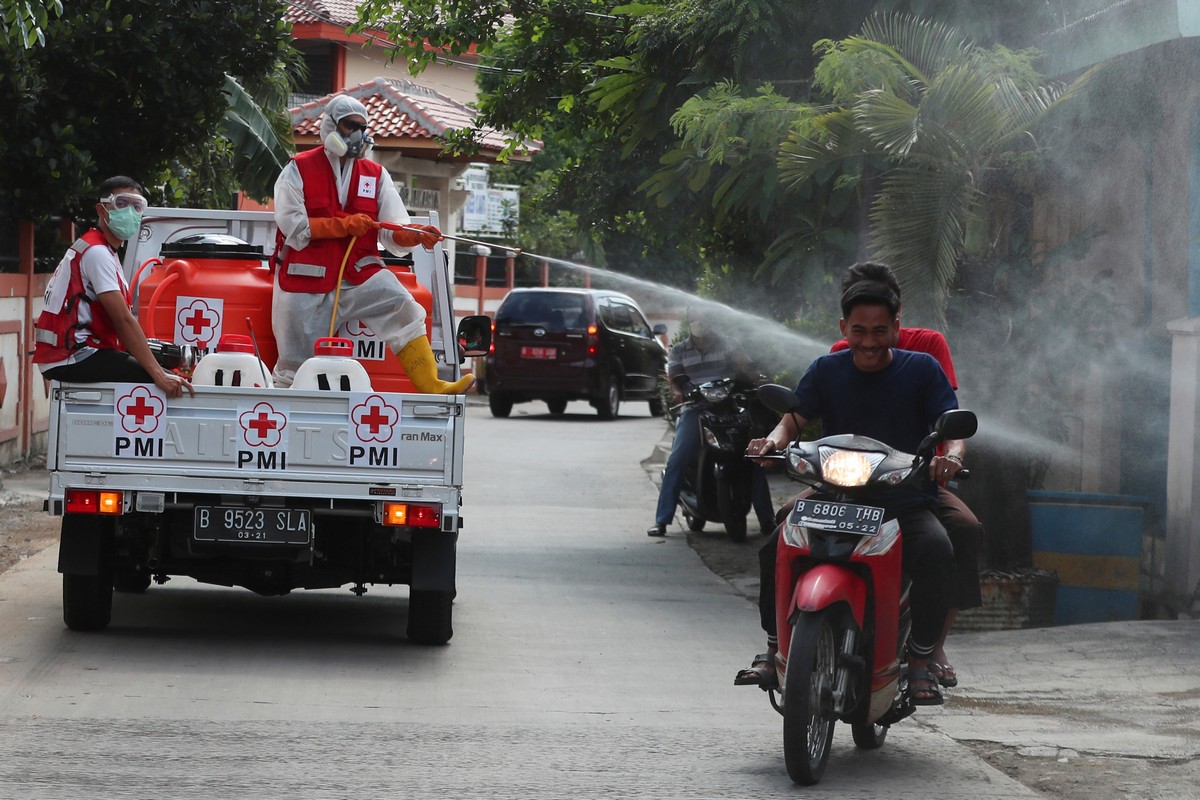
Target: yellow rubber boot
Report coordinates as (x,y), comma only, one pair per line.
(421,367)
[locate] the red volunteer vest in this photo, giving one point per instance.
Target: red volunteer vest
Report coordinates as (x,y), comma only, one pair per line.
(314,269)
(54,332)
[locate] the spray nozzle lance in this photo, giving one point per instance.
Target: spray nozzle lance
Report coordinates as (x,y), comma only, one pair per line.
(391,226)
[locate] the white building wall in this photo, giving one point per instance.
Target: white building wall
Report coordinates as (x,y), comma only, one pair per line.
(367,63)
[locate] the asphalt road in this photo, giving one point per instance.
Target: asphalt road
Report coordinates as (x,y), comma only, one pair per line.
(588,660)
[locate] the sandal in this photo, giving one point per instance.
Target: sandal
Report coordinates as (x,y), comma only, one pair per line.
(930,695)
(945,674)
(760,673)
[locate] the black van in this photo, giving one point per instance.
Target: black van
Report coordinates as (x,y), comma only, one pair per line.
(557,345)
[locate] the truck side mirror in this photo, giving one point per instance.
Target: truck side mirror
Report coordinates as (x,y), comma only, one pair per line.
(474,335)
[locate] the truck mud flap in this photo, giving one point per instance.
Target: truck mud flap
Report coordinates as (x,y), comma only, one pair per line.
(434,564)
(84,545)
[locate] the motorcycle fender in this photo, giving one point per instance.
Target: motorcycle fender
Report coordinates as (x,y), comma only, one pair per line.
(828,584)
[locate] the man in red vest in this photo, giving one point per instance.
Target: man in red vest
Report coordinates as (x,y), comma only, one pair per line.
(329,202)
(86,332)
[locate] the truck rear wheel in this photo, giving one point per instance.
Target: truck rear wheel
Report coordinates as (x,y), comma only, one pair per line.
(87,601)
(429,616)
(85,560)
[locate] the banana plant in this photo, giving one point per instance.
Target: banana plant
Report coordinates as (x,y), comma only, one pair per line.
(260,136)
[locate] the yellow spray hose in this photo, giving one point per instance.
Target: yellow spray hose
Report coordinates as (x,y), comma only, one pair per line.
(337,293)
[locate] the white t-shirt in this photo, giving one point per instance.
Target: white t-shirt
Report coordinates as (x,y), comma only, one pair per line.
(101,272)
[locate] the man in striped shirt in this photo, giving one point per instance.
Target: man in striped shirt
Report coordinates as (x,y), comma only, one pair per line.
(701,357)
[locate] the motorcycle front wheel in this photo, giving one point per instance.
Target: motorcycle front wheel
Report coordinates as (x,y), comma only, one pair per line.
(733,500)
(808,717)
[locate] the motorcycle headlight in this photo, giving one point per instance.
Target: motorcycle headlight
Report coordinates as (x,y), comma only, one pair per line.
(714,394)
(848,468)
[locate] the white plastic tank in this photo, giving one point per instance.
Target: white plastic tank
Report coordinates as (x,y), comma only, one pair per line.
(233,363)
(331,368)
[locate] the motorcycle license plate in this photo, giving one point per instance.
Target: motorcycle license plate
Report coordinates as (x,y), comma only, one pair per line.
(829,516)
(263,525)
(539,352)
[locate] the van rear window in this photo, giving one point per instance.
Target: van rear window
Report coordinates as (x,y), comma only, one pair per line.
(553,310)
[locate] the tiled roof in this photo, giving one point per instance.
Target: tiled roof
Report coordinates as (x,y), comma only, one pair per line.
(309,12)
(401,109)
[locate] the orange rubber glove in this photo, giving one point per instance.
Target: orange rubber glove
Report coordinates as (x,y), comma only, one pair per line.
(341,227)
(417,235)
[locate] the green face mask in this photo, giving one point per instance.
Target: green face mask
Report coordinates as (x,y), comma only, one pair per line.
(124,223)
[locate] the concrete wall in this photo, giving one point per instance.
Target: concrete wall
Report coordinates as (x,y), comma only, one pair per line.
(1137,202)
(24,407)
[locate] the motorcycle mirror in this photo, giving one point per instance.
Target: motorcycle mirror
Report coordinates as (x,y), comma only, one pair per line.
(779,399)
(957,424)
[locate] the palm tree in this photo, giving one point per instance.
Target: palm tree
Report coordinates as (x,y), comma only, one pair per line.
(937,112)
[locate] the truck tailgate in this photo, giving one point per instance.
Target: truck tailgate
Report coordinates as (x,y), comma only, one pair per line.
(223,437)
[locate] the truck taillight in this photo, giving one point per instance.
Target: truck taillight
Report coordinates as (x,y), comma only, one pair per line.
(81,501)
(492,346)
(412,515)
(592,340)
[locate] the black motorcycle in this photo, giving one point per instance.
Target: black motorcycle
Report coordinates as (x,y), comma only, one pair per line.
(717,486)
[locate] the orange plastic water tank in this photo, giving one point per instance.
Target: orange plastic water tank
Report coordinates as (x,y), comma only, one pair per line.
(203,287)
(387,375)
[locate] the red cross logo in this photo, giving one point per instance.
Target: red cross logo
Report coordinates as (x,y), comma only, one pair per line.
(198,323)
(140,410)
(262,426)
(374,419)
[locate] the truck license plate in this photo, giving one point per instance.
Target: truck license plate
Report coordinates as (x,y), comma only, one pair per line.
(828,516)
(242,524)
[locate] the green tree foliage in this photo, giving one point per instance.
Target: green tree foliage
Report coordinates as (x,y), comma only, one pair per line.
(599,84)
(23,20)
(663,121)
(942,112)
(135,87)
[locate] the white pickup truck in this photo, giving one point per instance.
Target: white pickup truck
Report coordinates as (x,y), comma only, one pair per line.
(269,489)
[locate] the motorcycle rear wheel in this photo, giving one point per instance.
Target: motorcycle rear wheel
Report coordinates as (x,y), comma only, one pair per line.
(808,718)
(868,736)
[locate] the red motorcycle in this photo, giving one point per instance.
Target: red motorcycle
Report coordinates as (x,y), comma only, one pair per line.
(841,600)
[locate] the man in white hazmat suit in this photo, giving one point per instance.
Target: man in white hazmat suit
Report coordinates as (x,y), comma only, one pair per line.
(327,201)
